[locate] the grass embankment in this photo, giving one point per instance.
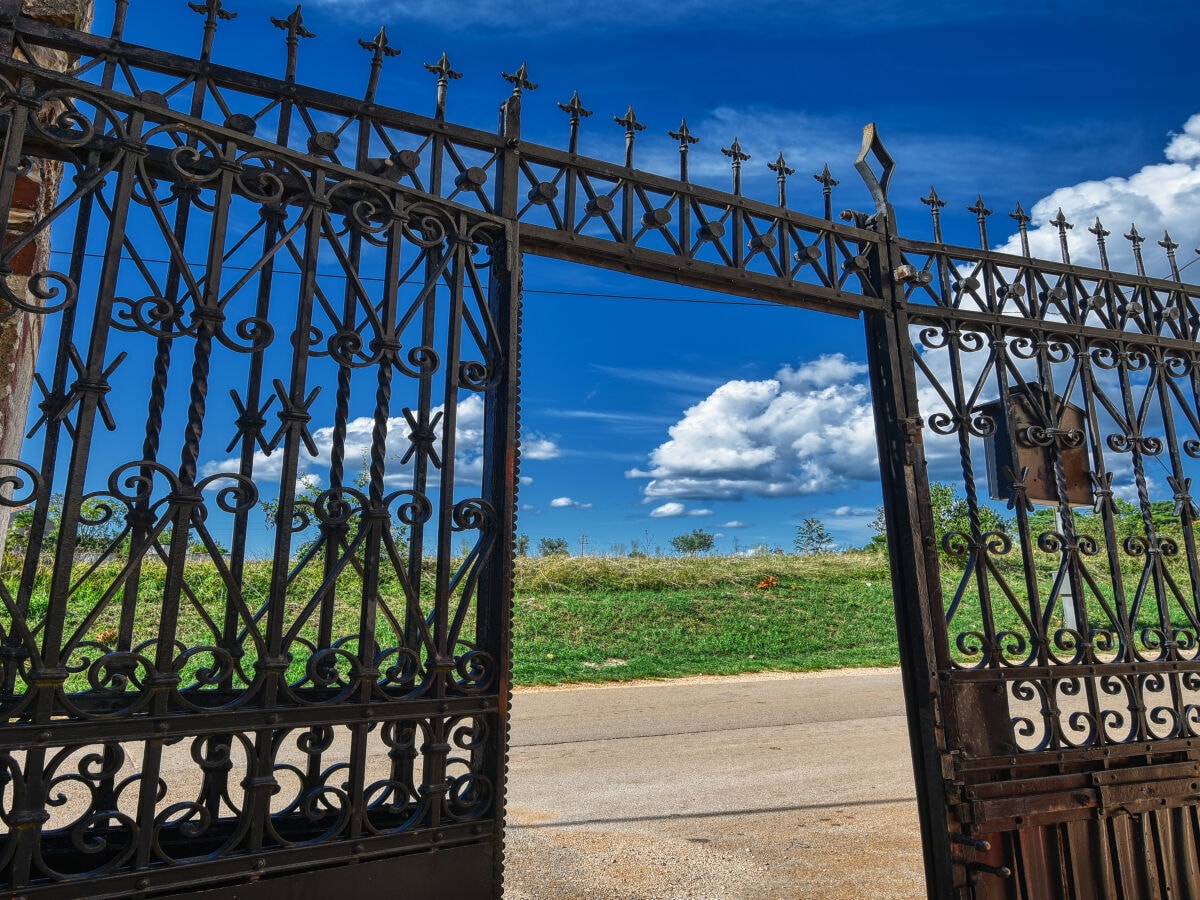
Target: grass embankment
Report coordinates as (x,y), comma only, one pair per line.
(605,619)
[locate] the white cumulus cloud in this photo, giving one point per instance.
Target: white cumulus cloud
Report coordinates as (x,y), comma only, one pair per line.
(1160,197)
(808,430)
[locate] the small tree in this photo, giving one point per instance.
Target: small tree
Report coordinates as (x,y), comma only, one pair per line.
(698,541)
(521,544)
(813,537)
(553,547)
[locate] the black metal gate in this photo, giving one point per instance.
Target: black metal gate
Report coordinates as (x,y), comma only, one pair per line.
(181,715)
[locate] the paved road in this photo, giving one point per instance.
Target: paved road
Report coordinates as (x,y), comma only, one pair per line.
(791,786)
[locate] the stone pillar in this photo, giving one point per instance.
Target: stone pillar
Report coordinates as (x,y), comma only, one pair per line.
(35,196)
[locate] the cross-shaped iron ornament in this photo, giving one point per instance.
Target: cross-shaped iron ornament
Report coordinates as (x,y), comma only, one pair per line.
(1060,222)
(212,10)
(574,108)
(1136,240)
(1022,219)
(686,139)
(519,80)
(1170,246)
(936,204)
(981,215)
(632,127)
(737,157)
(294,26)
(444,73)
(782,171)
(1099,231)
(379,48)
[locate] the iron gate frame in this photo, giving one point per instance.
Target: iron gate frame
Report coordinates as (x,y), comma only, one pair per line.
(559,204)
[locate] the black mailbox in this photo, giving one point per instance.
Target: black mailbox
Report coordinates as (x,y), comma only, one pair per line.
(1023,441)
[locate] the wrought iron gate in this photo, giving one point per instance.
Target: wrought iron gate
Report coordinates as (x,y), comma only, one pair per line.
(182,715)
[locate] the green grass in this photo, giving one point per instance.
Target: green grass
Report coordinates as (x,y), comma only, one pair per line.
(601,619)
(595,619)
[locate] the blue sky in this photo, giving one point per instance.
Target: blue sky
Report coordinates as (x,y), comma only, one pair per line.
(651,410)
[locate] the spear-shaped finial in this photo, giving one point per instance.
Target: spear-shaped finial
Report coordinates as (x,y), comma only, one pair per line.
(685,138)
(1136,239)
(212,10)
(1060,222)
(828,183)
(519,80)
(782,171)
(574,108)
(1170,246)
(444,73)
(935,204)
(737,157)
(632,127)
(981,216)
(379,48)
(1101,233)
(1023,220)
(294,26)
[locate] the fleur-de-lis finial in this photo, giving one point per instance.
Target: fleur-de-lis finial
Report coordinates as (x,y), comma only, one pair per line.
(1136,240)
(1023,219)
(1060,222)
(294,26)
(444,73)
(520,80)
(935,204)
(574,108)
(737,157)
(1101,233)
(632,127)
(686,139)
(828,183)
(379,49)
(782,171)
(981,216)
(1170,246)
(212,10)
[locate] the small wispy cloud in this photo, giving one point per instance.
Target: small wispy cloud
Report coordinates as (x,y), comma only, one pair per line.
(568,503)
(677,511)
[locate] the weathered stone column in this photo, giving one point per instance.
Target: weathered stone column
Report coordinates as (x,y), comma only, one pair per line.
(35,196)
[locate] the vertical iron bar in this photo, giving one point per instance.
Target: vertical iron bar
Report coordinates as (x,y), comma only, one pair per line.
(916,581)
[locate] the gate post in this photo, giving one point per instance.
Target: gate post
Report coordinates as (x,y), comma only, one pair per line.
(35,195)
(911,541)
(500,467)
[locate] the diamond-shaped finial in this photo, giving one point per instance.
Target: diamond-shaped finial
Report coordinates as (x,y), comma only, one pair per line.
(519,80)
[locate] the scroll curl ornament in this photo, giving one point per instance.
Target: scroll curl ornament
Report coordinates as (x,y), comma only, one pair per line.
(42,286)
(20,483)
